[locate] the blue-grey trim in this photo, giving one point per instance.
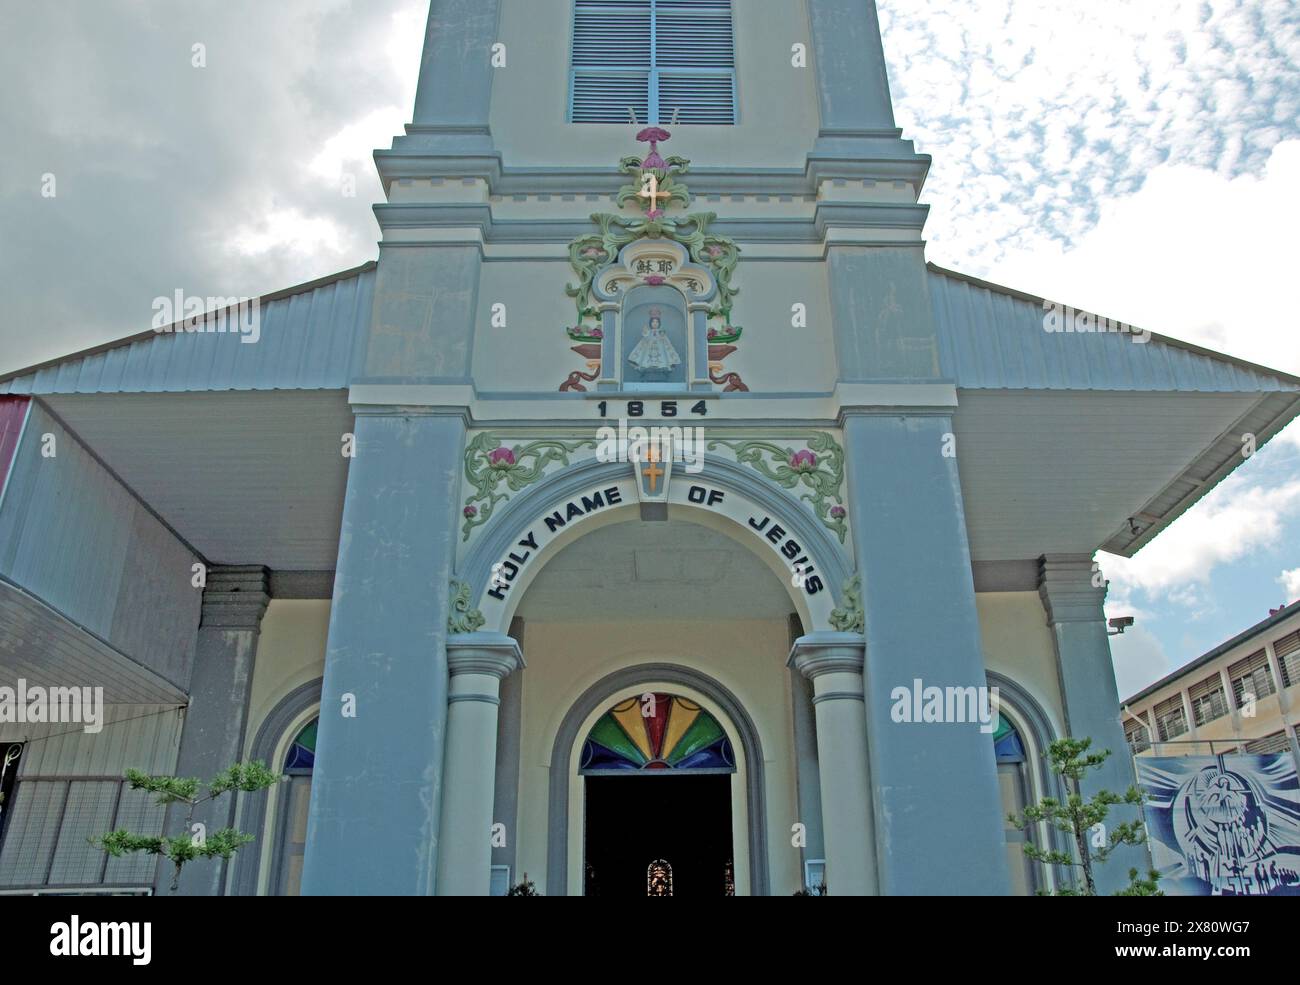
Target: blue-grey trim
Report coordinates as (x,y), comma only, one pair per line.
(557,856)
(302,584)
(1006,576)
(768,229)
(487,699)
(253,806)
(513,520)
(839,696)
(505,801)
(855,155)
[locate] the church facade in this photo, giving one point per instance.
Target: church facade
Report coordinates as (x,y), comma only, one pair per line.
(650,517)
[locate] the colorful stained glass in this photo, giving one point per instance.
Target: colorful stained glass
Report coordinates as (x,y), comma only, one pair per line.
(302,752)
(1006,742)
(659,878)
(657,732)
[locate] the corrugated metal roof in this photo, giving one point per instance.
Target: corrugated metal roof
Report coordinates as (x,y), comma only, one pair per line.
(307,337)
(991,337)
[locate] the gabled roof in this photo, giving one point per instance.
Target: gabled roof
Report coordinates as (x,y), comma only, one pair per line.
(308,335)
(992,338)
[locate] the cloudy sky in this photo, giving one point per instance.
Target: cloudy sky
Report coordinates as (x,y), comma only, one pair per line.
(1141,160)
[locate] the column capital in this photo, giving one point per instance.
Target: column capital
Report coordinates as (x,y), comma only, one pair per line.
(1066,586)
(828,653)
(494,654)
(235,596)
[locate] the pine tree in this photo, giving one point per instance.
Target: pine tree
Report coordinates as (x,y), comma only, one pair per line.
(184,848)
(1080,818)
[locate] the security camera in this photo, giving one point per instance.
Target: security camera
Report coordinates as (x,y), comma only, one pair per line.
(1118,625)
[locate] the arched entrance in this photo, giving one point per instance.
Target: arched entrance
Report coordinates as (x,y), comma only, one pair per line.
(657,771)
(697,765)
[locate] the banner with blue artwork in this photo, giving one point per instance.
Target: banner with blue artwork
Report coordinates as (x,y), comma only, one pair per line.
(1225,825)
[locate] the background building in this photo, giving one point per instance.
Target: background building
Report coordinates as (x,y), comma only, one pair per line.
(481,648)
(1238,697)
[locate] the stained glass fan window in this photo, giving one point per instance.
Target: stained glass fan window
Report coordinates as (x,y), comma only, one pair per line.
(657,732)
(1006,742)
(302,753)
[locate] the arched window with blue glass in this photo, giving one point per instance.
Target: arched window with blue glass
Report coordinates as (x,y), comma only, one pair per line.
(1013,784)
(291,823)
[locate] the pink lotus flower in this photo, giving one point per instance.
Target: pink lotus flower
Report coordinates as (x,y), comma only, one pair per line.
(593,251)
(653,135)
(501,458)
(470,512)
(713,333)
(838,512)
(655,214)
(803,461)
(654,280)
(714,251)
(596,333)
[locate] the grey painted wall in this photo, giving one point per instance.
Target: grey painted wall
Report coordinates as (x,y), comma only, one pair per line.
(377,784)
(422,329)
(75,537)
(921,622)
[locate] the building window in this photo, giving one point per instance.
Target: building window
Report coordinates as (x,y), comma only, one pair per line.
(1138,735)
(1171,719)
(1208,700)
(291,824)
(1251,677)
(659,58)
(1287,650)
(1277,742)
(1013,785)
(657,732)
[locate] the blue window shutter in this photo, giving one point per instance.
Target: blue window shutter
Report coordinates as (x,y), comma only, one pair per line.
(657,57)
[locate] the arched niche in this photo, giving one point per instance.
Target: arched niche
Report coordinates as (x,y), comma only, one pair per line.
(649,274)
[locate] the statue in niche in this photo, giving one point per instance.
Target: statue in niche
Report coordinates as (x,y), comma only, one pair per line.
(654,353)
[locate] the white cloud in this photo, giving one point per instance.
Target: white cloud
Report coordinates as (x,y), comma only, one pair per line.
(1192,254)
(1139,658)
(349,150)
(1234,520)
(290,231)
(1290,580)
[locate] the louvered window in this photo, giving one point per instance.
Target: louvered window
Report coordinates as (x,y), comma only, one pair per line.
(1251,676)
(659,58)
(1277,742)
(1208,700)
(1170,719)
(1288,658)
(1138,735)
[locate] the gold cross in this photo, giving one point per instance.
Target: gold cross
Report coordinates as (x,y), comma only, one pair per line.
(652,470)
(650,189)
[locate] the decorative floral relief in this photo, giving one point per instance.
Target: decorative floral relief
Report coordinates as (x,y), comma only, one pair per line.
(850,618)
(817,469)
(590,254)
(490,465)
(462,616)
